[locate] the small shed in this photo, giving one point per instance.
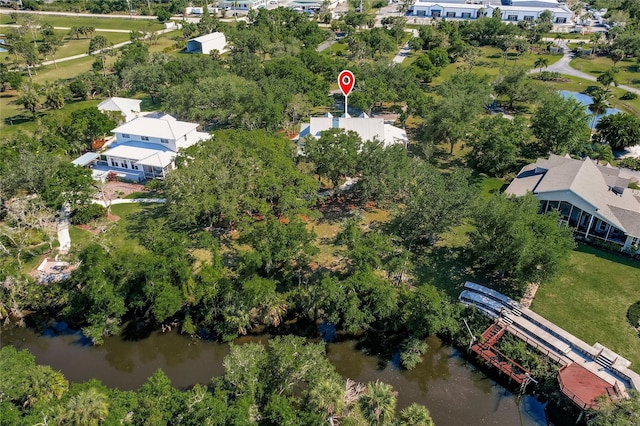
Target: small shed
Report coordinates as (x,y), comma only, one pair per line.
(206,43)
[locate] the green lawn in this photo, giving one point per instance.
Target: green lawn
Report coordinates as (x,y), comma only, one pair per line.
(79,21)
(121,232)
(74,46)
(492,62)
(591,300)
(629,71)
(14,118)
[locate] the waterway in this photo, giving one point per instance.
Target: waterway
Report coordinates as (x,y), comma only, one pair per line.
(455,392)
(586,100)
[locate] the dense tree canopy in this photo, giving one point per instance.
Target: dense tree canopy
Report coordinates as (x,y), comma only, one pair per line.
(516,242)
(496,144)
(561,125)
(235,173)
(618,130)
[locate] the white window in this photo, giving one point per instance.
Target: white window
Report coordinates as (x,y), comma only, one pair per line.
(126,136)
(451,14)
(561,20)
(135,167)
(528,18)
(164,140)
(466,15)
(144,138)
(512,17)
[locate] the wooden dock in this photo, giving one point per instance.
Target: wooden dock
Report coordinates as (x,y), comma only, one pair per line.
(485,349)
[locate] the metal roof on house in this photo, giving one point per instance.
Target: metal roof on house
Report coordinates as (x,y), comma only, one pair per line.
(165,127)
(142,153)
(366,127)
(209,37)
(125,105)
(85,159)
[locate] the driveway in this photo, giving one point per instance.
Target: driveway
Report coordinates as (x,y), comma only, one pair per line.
(563,66)
(404,50)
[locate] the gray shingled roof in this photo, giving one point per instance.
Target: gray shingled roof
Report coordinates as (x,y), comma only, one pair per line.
(588,181)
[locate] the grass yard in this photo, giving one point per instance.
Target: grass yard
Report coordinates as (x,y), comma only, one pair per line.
(591,300)
(73,46)
(22,120)
(492,62)
(122,232)
(629,71)
(80,21)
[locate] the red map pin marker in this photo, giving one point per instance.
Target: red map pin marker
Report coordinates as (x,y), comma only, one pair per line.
(346,81)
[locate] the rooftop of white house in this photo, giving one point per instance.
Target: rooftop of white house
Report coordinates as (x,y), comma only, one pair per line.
(163,127)
(368,128)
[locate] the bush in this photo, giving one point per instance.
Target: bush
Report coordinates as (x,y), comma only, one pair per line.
(411,353)
(86,214)
(633,314)
(379,4)
(548,76)
(630,163)
(629,96)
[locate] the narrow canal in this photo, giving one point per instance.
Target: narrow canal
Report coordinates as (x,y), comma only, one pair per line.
(455,392)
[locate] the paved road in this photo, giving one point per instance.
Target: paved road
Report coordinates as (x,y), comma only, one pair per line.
(563,66)
(404,50)
(325,45)
(84,15)
(99,30)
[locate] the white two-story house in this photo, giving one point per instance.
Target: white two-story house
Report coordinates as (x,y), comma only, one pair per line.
(145,147)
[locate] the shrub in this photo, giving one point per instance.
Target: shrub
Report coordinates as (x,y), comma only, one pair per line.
(548,76)
(411,353)
(630,163)
(633,314)
(629,96)
(86,214)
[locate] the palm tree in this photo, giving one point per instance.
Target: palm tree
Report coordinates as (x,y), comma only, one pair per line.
(415,415)
(379,403)
(89,407)
(602,152)
(541,63)
(600,98)
(595,42)
(616,56)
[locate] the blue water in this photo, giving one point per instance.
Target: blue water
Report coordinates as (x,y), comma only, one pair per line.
(586,101)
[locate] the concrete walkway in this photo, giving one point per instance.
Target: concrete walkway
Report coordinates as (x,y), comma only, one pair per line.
(63,231)
(404,50)
(563,66)
(130,201)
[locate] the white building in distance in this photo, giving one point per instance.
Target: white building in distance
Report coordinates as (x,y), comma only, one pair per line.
(366,127)
(129,108)
(206,43)
(510,10)
(242,4)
